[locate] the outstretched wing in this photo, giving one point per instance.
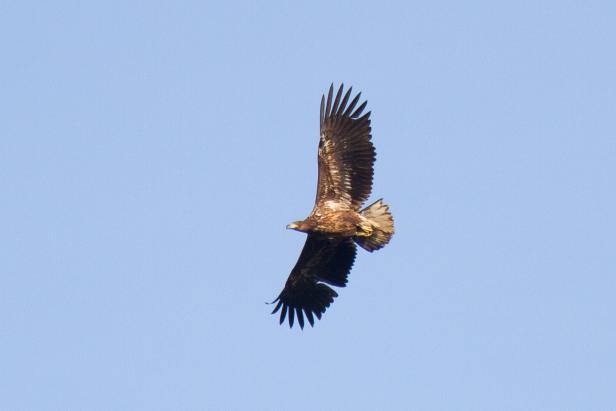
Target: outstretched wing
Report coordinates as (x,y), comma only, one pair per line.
(346,154)
(322,261)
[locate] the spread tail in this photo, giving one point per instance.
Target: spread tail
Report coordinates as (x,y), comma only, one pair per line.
(382,226)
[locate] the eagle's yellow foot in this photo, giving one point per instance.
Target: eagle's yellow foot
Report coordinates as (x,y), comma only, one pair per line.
(364,230)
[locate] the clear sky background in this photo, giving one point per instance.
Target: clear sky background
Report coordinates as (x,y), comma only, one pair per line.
(151,154)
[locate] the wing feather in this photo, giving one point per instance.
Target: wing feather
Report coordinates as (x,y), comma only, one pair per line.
(346,154)
(348,111)
(322,261)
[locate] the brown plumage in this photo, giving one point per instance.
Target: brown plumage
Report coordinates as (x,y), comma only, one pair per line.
(346,159)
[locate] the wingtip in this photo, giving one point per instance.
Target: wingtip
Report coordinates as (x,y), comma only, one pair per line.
(310,317)
(300,317)
(277,305)
(283,314)
(291,317)
(359,110)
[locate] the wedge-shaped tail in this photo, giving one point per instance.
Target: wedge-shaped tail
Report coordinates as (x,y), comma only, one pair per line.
(382,225)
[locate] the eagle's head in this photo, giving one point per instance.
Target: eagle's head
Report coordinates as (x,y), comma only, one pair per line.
(303,226)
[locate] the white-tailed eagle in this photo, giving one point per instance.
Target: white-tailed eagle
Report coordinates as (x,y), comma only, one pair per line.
(337,222)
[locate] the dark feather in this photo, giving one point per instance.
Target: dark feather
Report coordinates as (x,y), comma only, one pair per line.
(322,260)
(359,110)
(337,101)
(329,100)
(348,111)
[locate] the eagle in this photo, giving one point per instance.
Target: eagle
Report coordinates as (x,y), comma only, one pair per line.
(337,222)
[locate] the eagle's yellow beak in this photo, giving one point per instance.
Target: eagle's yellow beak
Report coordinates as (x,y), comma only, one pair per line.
(292,226)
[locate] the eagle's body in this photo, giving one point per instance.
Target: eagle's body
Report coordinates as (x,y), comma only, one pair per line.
(332,220)
(346,159)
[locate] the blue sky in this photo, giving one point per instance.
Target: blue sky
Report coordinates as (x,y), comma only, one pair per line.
(151,154)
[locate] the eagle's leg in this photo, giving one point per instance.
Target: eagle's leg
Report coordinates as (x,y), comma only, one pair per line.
(364,229)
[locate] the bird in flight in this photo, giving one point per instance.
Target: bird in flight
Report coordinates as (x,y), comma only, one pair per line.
(337,222)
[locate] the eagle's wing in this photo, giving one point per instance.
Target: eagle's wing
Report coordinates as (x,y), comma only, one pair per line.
(346,154)
(323,260)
